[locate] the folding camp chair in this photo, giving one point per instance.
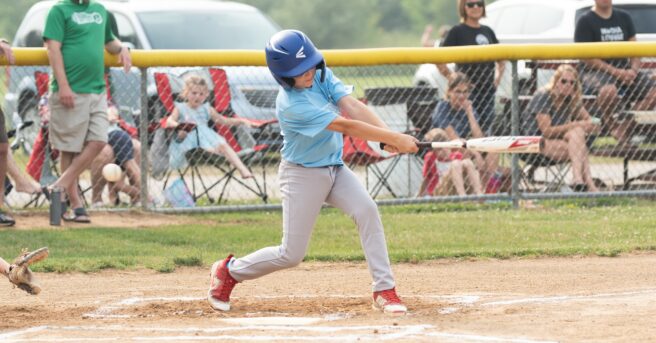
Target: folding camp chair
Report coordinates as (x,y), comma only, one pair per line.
(552,172)
(239,140)
(407,110)
(357,152)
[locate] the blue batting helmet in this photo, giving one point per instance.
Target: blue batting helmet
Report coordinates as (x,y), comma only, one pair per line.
(290,53)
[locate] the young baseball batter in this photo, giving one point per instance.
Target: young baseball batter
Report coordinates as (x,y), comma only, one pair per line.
(312,172)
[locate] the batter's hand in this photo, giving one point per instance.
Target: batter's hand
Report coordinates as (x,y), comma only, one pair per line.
(403,144)
(20,273)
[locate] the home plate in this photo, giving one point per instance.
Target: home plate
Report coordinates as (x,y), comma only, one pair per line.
(290,321)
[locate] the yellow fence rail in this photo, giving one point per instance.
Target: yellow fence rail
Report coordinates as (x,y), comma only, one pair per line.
(368,57)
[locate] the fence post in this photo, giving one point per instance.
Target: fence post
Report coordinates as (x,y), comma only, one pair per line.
(514,119)
(143,138)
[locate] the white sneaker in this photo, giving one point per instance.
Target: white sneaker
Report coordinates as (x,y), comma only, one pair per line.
(388,302)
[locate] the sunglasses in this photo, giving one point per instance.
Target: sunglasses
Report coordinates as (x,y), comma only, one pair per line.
(565,81)
(475,4)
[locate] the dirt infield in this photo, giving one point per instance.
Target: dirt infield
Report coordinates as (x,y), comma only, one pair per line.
(535,300)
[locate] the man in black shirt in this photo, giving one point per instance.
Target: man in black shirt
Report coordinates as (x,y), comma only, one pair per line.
(612,77)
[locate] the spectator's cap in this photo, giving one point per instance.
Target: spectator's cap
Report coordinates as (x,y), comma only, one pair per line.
(290,53)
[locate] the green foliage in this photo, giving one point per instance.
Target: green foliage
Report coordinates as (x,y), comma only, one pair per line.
(415,233)
(11,15)
(330,24)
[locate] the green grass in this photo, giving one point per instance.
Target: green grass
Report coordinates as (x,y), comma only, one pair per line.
(414,233)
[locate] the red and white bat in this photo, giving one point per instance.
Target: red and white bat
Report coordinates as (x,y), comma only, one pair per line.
(498,144)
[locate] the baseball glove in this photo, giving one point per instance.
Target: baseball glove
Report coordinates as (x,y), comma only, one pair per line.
(20,273)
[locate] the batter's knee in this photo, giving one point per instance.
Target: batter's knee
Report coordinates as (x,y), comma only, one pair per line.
(290,259)
(365,208)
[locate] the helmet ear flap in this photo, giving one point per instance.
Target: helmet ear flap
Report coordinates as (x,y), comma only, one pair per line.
(289,81)
(286,82)
(322,66)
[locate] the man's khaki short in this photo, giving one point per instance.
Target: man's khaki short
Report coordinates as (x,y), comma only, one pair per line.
(71,128)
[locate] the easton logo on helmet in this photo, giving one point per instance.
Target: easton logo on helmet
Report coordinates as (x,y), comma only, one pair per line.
(301,53)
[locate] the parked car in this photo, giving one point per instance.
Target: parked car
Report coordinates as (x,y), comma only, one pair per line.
(161,24)
(542,22)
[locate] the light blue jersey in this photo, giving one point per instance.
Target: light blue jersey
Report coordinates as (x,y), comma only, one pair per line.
(304,115)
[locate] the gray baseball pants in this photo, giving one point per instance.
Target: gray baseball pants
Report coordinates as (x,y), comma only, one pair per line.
(304,191)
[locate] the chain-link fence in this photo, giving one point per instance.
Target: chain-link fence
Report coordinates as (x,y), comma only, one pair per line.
(220,146)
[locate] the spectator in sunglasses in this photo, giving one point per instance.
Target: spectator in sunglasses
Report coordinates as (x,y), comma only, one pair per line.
(556,113)
(482,76)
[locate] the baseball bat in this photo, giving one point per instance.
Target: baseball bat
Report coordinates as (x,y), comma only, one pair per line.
(498,144)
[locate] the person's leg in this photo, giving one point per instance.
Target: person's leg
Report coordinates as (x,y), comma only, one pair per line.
(4,156)
(72,166)
(303,191)
(577,152)
(455,174)
(556,149)
(23,183)
(472,176)
(490,167)
(4,267)
(350,196)
(134,175)
(644,91)
(4,153)
(98,182)
(136,146)
(607,105)
(5,219)
(231,155)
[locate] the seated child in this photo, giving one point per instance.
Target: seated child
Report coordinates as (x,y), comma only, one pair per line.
(195,110)
(445,170)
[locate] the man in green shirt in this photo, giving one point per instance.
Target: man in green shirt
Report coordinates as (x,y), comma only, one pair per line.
(76,34)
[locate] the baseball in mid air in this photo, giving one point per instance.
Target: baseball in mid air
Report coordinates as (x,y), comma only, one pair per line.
(112,172)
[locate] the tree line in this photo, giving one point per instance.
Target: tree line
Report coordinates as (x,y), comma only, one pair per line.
(331,24)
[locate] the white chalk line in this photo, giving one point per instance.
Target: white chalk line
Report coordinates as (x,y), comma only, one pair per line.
(384,332)
(567,298)
(8,335)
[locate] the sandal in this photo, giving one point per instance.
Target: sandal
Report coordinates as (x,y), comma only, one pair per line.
(79,215)
(6,220)
(46,192)
(580,187)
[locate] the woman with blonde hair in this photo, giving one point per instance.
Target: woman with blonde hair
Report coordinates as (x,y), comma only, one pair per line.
(556,113)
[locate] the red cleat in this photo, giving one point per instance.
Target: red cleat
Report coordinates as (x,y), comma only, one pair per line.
(388,302)
(221,285)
